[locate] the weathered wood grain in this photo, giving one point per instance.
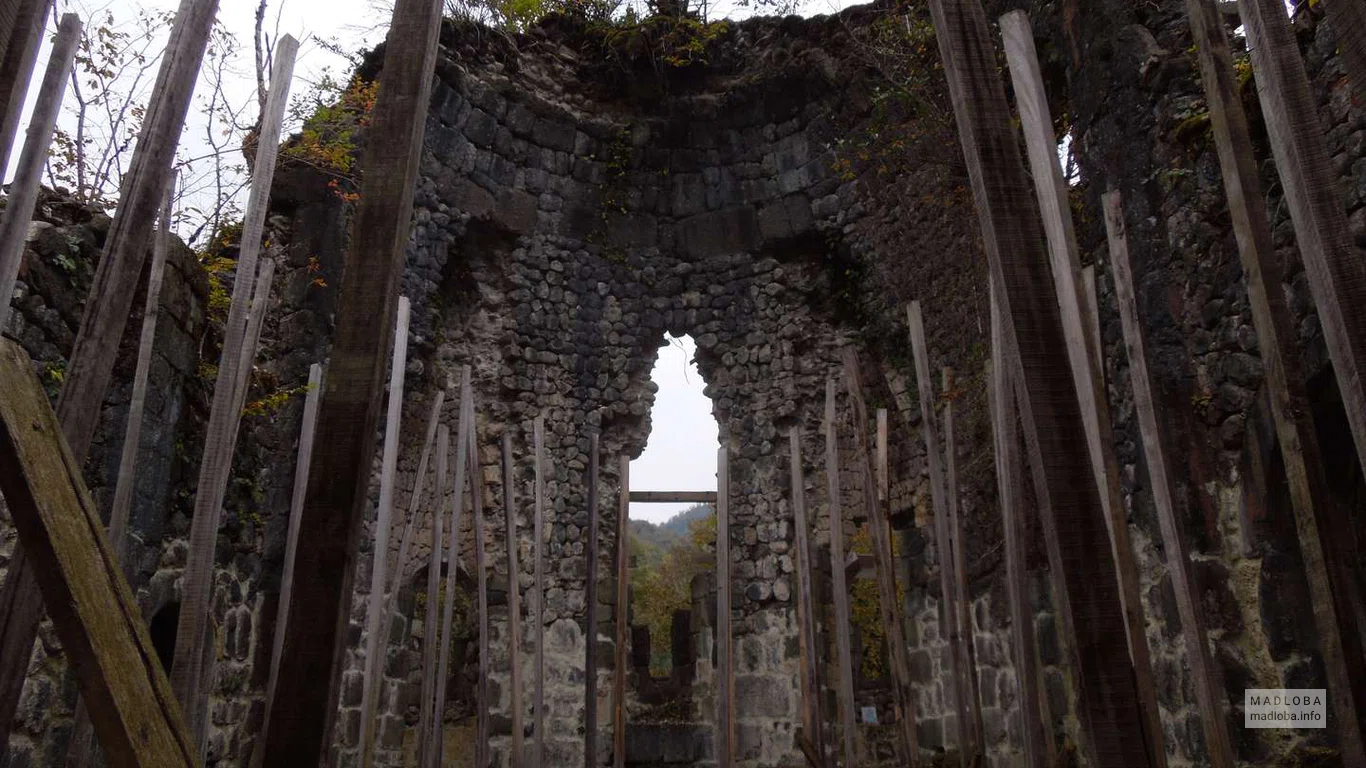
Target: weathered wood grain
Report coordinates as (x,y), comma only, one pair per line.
(337,498)
(813,709)
(538,674)
(725,640)
(1204,674)
(673,497)
(462,447)
(590,633)
(92,608)
(483,701)
(623,612)
(429,711)
(16,70)
(515,759)
(1111,720)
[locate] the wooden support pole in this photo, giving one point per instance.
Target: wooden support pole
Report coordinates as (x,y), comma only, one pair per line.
(379,564)
(28,177)
(1081,343)
(673,497)
(939,497)
(1112,721)
(16,70)
(725,651)
(623,560)
(1278,346)
(903,697)
(91,605)
(337,498)
(1092,308)
(538,694)
(482,699)
(400,566)
(91,362)
(1038,744)
(122,505)
(226,412)
(514,609)
(431,634)
(844,688)
(1333,264)
(296,500)
(813,710)
(962,595)
(590,633)
(1205,677)
(462,447)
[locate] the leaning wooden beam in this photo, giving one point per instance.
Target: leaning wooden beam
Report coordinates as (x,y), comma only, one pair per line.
(1336,271)
(725,652)
(1112,721)
(482,700)
(16,69)
(1205,677)
(1065,263)
(673,497)
(296,500)
(81,747)
(1092,308)
(590,634)
(1283,371)
(844,670)
(28,177)
(515,759)
(962,596)
(623,560)
(538,673)
(1038,752)
(398,570)
(429,711)
(813,712)
(348,417)
(939,498)
(91,605)
(379,564)
(226,412)
(903,696)
(462,446)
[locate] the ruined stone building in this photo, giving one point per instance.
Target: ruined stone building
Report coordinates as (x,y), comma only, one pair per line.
(779,189)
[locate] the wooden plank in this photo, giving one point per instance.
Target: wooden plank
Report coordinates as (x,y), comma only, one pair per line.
(590,633)
(538,674)
(1205,677)
(379,564)
(962,596)
(1079,336)
(939,498)
(883,489)
(306,431)
(132,437)
(483,702)
(623,560)
(16,70)
(399,568)
(514,609)
(234,367)
(462,447)
(431,633)
(338,492)
(28,176)
(725,650)
(844,688)
(813,709)
(1332,262)
(91,605)
(1037,744)
(889,605)
(1092,309)
(673,497)
(81,748)
(1282,367)
(91,362)
(1111,720)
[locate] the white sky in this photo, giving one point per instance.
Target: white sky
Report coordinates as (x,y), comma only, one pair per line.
(681,452)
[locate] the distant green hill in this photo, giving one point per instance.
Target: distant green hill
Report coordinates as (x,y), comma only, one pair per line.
(668,533)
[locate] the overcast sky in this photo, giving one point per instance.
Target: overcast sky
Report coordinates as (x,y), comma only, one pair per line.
(681,452)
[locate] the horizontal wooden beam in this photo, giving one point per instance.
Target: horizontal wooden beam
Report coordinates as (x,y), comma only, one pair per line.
(673,497)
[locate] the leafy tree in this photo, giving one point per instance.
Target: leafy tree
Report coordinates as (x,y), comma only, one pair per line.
(662,581)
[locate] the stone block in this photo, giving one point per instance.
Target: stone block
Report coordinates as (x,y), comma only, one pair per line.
(763,696)
(516,210)
(480,128)
(553,135)
(733,230)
